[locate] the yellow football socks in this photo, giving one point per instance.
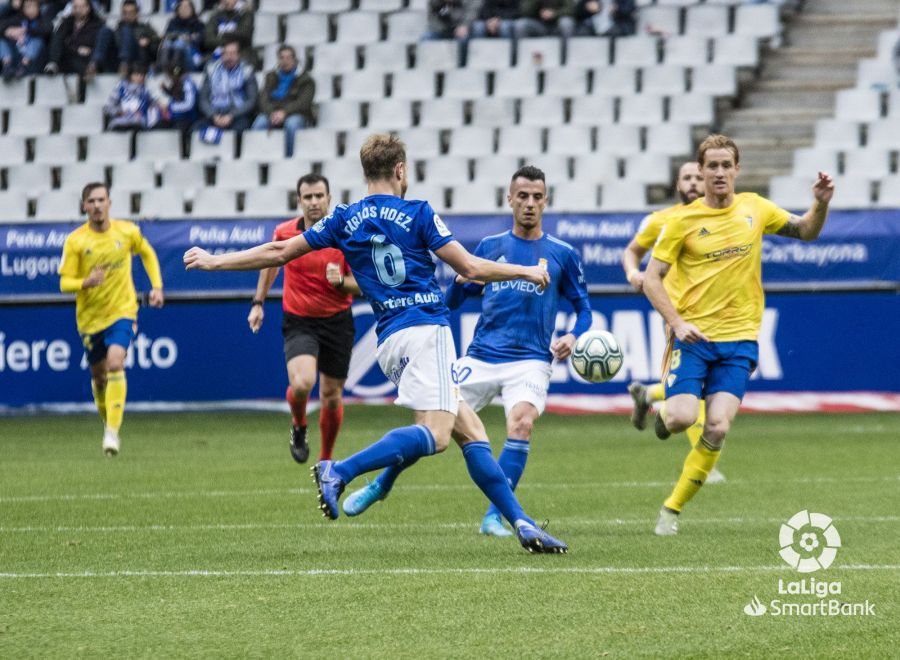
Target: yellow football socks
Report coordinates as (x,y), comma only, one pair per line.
(697,466)
(656,392)
(99,400)
(116,387)
(695,431)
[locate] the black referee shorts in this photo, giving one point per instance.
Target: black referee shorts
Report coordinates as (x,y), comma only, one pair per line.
(328,339)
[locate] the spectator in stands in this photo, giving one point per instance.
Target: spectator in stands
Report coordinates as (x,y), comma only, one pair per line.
(605,18)
(23,37)
(229,92)
(228,20)
(81,43)
(450,19)
(286,100)
(546,18)
(138,42)
(131,107)
(183,41)
(179,101)
(497,18)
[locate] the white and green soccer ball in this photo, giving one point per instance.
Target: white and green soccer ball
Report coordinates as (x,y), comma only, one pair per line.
(597,356)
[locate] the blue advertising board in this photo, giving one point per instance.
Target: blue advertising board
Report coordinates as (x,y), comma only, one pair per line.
(195,351)
(856,247)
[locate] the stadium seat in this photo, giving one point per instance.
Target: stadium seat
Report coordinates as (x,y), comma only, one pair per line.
(316,144)
(595,167)
(493,111)
(434,194)
(489,54)
(648,168)
(362,86)
(280,6)
(283,173)
(98,90)
(12,150)
(810,160)
(615,81)
(138,175)
(262,145)
(267,202)
(693,109)
(225,149)
(790,192)
(685,51)
(333,6)
(670,138)
(706,20)
(464,84)
(837,134)
(441,113)
(849,193)
(872,72)
(55,149)
(13,206)
(479,197)
(715,79)
(81,120)
(592,110)
(641,109)
(386,56)
(437,54)
(266,29)
(381,5)
(325,88)
(186,175)
(406,26)
(569,81)
(16,93)
(520,140)
(498,167)
(28,121)
(659,19)
(33,177)
(663,79)
(58,205)
(159,145)
(358,27)
(889,192)
(893,103)
(570,140)
(541,111)
(872,162)
(421,142)
(116,148)
(618,139)
(334,58)
(167,204)
(415,84)
(471,141)
(758,20)
(736,50)
(214,203)
(574,196)
(55,91)
(884,133)
(74,176)
(539,53)
(447,171)
(556,166)
(339,115)
(857,105)
(623,196)
(636,51)
(353,142)
(515,83)
(344,172)
(588,52)
(307,28)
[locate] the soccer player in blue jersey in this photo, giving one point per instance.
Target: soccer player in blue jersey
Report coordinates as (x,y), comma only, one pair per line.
(387,242)
(513,347)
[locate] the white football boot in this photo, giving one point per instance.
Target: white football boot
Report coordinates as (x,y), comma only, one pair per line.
(110,442)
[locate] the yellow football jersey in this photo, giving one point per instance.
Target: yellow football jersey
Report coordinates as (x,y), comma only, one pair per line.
(646,236)
(99,307)
(719,256)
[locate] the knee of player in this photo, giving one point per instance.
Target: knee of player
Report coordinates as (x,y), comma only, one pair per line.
(114,363)
(679,420)
(302,387)
(714,430)
(520,428)
(331,397)
(441,439)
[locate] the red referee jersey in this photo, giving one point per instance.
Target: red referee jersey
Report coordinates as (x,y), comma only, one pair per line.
(306,291)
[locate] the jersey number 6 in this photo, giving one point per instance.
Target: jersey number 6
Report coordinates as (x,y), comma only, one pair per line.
(388,259)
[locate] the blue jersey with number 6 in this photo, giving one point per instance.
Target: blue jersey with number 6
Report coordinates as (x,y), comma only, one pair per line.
(388,243)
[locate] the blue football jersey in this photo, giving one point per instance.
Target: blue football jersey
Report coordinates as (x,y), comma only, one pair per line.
(518,320)
(387,241)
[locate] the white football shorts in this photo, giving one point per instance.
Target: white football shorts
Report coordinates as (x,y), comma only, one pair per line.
(419,361)
(523,380)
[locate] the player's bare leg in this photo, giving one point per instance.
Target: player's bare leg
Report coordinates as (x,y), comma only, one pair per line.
(331,414)
(677,414)
(302,371)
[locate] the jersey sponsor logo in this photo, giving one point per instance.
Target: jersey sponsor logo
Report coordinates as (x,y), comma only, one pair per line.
(396,373)
(460,375)
(400,302)
(440,226)
(730,253)
(517,285)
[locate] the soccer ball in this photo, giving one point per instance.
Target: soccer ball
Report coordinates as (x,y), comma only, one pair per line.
(597,356)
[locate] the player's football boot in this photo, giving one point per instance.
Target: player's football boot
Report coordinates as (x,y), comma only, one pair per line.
(715,477)
(492,525)
(360,500)
(661,431)
(639,412)
(537,540)
(110,443)
(666,523)
(299,446)
(330,487)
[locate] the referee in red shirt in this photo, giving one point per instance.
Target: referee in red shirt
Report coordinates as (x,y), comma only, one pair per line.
(318,324)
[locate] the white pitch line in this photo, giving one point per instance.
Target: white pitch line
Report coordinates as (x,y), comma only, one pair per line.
(522,570)
(427,487)
(323,526)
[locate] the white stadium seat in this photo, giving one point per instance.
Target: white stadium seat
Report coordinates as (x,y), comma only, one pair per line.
(267,202)
(28,121)
(685,51)
(441,113)
(850,193)
(758,20)
(81,120)
(74,176)
(663,79)
(447,171)
(493,111)
(648,168)
(12,150)
(539,53)
(415,84)
(636,51)
(480,197)
(390,114)
(641,109)
(858,104)
(808,161)
(339,115)
(520,140)
(541,111)
(361,86)
(736,50)
(471,141)
(158,145)
(596,167)
(58,205)
(214,203)
(116,147)
(307,28)
(837,134)
(670,138)
(137,175)
(201,150)
(437,54)
(282,173)
(385,56)
(570,140)
(358,27)
(32,177)
(334,58)
(316,144)
(55,91)
(187,175)
(867,163)
(13,206)
(162,204)
(422,142)
(464,84)
(568,81)
(406,26)
(343,172)
(623,196)
(706,20)
(593,110)
(266,30)
(55,149)
(574,196)
(588,52)
(489,54)
(693,109)
(615,81)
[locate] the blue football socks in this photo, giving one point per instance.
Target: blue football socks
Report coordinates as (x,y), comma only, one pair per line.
(488,476)
(400,447)
(512,461)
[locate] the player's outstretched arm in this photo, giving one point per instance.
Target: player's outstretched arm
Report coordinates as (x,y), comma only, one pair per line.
(631,264)
(656,293)
(475,268)
(810,225)
(276,253)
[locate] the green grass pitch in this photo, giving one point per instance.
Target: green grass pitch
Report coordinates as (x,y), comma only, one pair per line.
(202,539)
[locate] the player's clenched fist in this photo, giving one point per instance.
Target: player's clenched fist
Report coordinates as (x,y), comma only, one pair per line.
(198,259)
(537,275)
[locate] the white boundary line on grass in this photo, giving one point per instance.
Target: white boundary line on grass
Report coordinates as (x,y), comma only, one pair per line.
(522,570)
(427,487)
(225,527)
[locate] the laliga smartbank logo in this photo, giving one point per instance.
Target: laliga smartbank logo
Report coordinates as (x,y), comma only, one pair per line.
(808,542)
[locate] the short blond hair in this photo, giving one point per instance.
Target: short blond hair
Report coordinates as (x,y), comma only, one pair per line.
(380,154)
(717,142)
